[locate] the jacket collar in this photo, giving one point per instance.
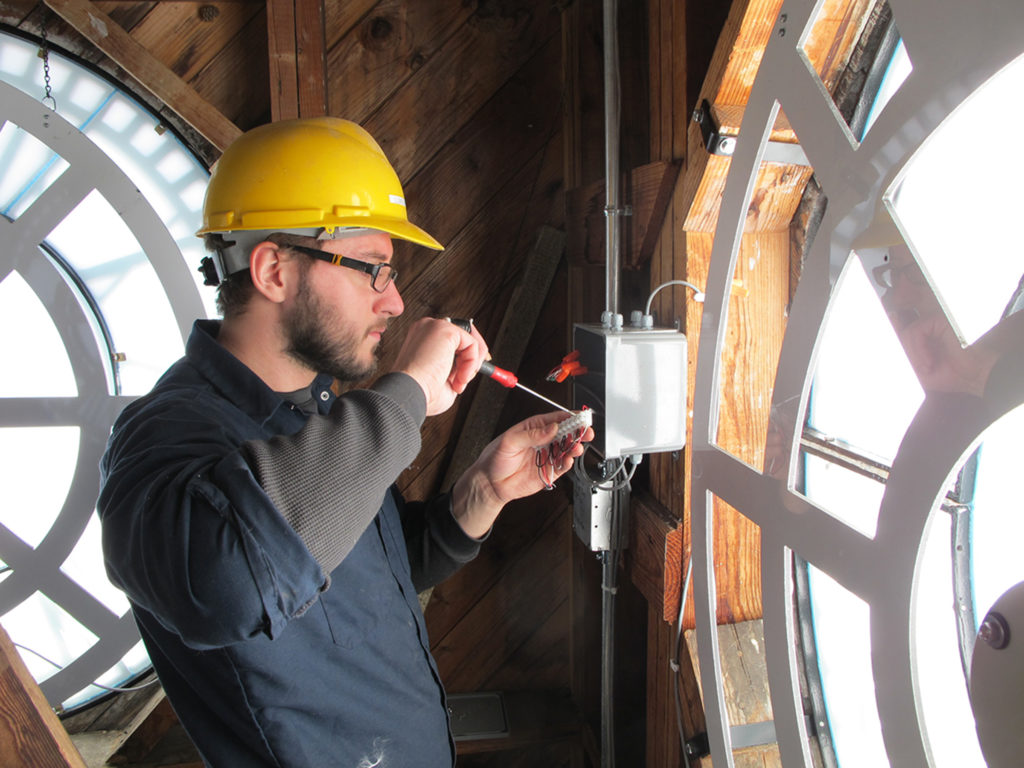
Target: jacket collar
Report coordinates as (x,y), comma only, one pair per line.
(236,381)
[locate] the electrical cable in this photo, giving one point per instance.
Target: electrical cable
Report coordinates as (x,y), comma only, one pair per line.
(586,479)
(674,662)
(112,689)
(698,294)
(622,484)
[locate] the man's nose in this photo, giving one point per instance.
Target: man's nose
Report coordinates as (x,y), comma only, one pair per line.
(390,302)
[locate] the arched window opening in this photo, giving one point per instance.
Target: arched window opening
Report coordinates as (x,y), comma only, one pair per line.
(98,289)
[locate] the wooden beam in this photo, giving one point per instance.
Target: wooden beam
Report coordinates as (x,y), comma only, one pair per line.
(101,729)
(298,58)
(745,685)
(151,74)
(31,735)
(655,557)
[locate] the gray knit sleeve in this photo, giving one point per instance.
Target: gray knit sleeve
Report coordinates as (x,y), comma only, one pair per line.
(328,480)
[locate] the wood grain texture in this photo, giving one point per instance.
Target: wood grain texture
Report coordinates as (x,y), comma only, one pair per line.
(487,637)
(150,72)
(468,174)
(237,78)
(833,35)
(744,683)
(14,12)
(756,309)
(283,59)
(750,356)
(297,57)
(655,554)
(377,54)
(450,87)
(311,57)
(31,735)
(172,33)
(754,330)
(739,51)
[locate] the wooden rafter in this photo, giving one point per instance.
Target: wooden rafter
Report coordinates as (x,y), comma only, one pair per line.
(298,58)
(31,735)
(153,75)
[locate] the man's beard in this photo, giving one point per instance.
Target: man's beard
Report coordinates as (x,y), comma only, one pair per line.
(305,328)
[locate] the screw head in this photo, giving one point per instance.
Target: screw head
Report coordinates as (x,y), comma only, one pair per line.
(995,631)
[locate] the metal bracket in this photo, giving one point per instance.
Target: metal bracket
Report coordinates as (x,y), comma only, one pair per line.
(698,747)
(752,734)
(714,142)
(717,144)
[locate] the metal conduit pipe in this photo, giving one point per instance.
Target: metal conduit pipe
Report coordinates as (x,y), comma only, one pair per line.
(611,318)
(612,210)
(609,564)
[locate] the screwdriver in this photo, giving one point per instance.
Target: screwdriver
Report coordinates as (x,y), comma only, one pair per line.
(509,379)
(500,375)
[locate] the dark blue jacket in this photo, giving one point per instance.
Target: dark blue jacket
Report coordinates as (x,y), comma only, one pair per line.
(267,658)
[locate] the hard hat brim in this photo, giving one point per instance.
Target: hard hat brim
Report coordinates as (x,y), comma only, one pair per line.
(403,230)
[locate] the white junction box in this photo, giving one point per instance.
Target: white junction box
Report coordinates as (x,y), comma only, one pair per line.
(635,384)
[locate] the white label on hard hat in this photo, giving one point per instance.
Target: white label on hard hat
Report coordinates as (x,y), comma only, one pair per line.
(397,200)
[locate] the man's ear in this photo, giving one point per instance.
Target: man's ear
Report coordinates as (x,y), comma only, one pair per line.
(267,267)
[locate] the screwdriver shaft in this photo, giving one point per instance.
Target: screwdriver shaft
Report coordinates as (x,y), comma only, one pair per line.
(537,394)
(500,375)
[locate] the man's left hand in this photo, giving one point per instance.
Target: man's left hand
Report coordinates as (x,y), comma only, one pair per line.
(507,470)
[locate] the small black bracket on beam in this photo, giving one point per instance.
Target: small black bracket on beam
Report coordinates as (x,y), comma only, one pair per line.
(714,141)
(698,747)
(717,144)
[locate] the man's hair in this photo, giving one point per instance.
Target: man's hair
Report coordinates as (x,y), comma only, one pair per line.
(236,290)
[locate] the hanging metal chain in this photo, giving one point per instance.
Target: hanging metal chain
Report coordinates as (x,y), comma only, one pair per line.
(44,54)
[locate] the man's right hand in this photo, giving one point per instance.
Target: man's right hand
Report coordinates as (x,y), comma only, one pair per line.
(442,358)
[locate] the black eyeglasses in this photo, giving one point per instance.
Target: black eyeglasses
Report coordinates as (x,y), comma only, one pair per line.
(381,274)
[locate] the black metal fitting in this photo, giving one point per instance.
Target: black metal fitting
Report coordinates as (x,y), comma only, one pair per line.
(698,747)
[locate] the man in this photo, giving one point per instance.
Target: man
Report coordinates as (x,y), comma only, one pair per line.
(249,513)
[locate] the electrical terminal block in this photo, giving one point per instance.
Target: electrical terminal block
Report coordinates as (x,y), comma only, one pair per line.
(551,458)
(579,421)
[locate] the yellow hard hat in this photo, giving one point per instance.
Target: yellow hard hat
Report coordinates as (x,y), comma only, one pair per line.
(323,173)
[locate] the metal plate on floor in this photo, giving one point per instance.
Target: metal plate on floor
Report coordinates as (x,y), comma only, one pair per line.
(478,716)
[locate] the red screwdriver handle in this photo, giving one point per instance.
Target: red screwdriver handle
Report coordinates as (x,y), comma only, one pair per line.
(500,375)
